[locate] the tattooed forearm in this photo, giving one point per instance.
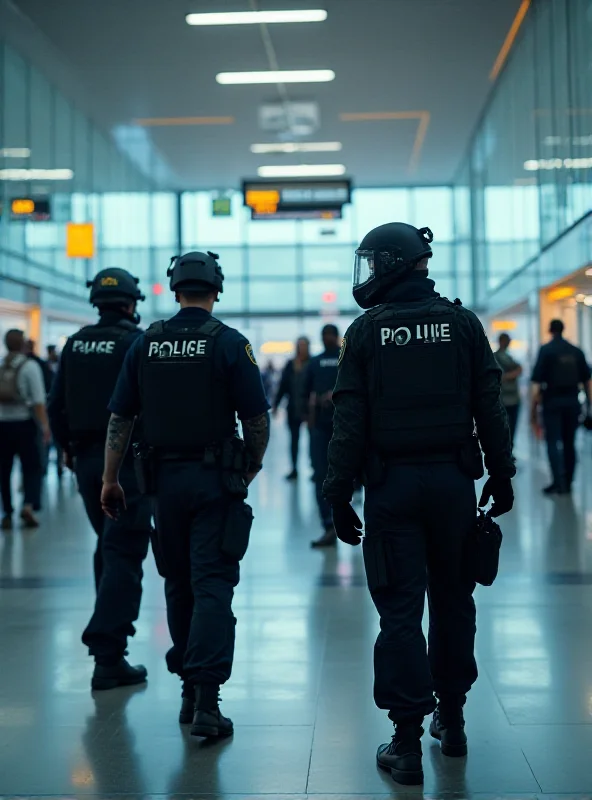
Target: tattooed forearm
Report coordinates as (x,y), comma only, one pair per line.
(256,435)
(118,436)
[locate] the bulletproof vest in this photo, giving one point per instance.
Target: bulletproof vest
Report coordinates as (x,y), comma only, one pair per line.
(185,403)
(563,370)
(420,402)
(91,362)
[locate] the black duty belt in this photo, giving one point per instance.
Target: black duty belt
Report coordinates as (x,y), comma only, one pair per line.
(181,455)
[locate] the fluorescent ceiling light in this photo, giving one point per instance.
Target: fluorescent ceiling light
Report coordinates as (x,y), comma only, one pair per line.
(36,174)
(533,165)
(256,17)
(297,147)
(278,76)
(14,152)
(302,171)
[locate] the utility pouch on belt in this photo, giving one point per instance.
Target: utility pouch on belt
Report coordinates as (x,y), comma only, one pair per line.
(483,550)
(379,562)
(239,521)
(145,469)
(470,459)
(234,467)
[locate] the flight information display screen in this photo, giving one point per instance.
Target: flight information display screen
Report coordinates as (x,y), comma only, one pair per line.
(36,209)
(313,199)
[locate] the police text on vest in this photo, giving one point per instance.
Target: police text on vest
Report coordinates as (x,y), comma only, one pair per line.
(184,349)
(93,347)
(429,332)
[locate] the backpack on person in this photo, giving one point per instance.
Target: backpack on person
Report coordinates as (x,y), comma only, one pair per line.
(9,392)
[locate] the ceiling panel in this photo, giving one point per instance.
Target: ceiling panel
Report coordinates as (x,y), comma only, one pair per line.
(139,59)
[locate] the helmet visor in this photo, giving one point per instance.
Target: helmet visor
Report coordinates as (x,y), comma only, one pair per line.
(364,268)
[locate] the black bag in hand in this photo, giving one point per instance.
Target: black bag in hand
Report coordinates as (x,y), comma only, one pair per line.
(484,550)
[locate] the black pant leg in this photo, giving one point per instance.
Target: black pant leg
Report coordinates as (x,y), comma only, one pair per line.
(210,650)
(512,412)
(452,509)
(402,679)
(172,512)
(320,438)
(294,426)
(89,473)
(553,422)
(7,453)
(124,548)
(29,453)
(570,423)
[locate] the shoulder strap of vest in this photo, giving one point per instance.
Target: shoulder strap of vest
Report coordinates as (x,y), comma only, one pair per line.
(156,329)
(212,327)
(127,325)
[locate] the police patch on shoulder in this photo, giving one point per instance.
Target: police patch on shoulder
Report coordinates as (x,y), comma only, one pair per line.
(249,351)
(342,351)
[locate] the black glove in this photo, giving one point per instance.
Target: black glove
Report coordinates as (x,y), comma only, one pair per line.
(500,489)
(348,525)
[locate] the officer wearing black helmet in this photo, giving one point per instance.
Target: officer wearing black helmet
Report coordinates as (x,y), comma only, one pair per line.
(416,375)
(189,378)
(89,366)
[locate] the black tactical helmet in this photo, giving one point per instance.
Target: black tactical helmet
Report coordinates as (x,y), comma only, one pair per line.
(387,255)
(197,271)
(112,286)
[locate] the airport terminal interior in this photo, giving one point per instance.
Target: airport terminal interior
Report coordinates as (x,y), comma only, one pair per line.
(277,133)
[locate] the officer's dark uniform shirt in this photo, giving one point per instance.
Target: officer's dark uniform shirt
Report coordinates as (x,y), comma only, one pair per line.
(234,363)
(319,379)
(479,379)
(560,368)
(56,406)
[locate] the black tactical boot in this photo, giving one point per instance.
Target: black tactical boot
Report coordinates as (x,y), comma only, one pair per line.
(328,539)
(110,676)
(402,756)
(187,711)
(208,720)
(448,725)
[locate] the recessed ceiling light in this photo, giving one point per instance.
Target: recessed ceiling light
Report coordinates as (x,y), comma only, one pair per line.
(277,76)
(297,147)
(36,174)
(302,171)
(256,17)
(14,152)
(589,273)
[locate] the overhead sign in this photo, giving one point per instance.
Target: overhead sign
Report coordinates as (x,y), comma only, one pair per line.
(80,240)
(310,199)
(221,205)
(36,209)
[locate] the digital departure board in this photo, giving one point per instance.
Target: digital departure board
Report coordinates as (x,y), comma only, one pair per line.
(313,199)
(35,209)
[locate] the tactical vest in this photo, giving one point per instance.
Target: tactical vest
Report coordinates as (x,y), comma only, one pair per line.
(563,371)
(420,401)
(91,363)
(185,404)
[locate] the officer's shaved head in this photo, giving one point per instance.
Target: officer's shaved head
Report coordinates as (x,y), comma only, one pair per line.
(14,341)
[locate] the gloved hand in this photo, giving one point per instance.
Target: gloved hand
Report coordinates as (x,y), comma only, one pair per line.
(500,489)
(348,525)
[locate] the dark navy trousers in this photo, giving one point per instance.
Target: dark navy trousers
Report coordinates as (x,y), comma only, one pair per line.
(561,422)
(420,517)
(190,511)
(122,546)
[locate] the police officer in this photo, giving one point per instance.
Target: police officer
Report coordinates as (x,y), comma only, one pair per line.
(319,383)
(561,369)
(189,377)
(416,373)
(83,385)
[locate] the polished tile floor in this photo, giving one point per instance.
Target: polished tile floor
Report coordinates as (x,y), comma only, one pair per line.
(301,693)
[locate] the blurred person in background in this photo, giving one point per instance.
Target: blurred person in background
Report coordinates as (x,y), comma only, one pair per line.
(53,358)
(22,409)
(47,373)
(561,369)
(319,383)
(268,376)
(511,371)
(292,387)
